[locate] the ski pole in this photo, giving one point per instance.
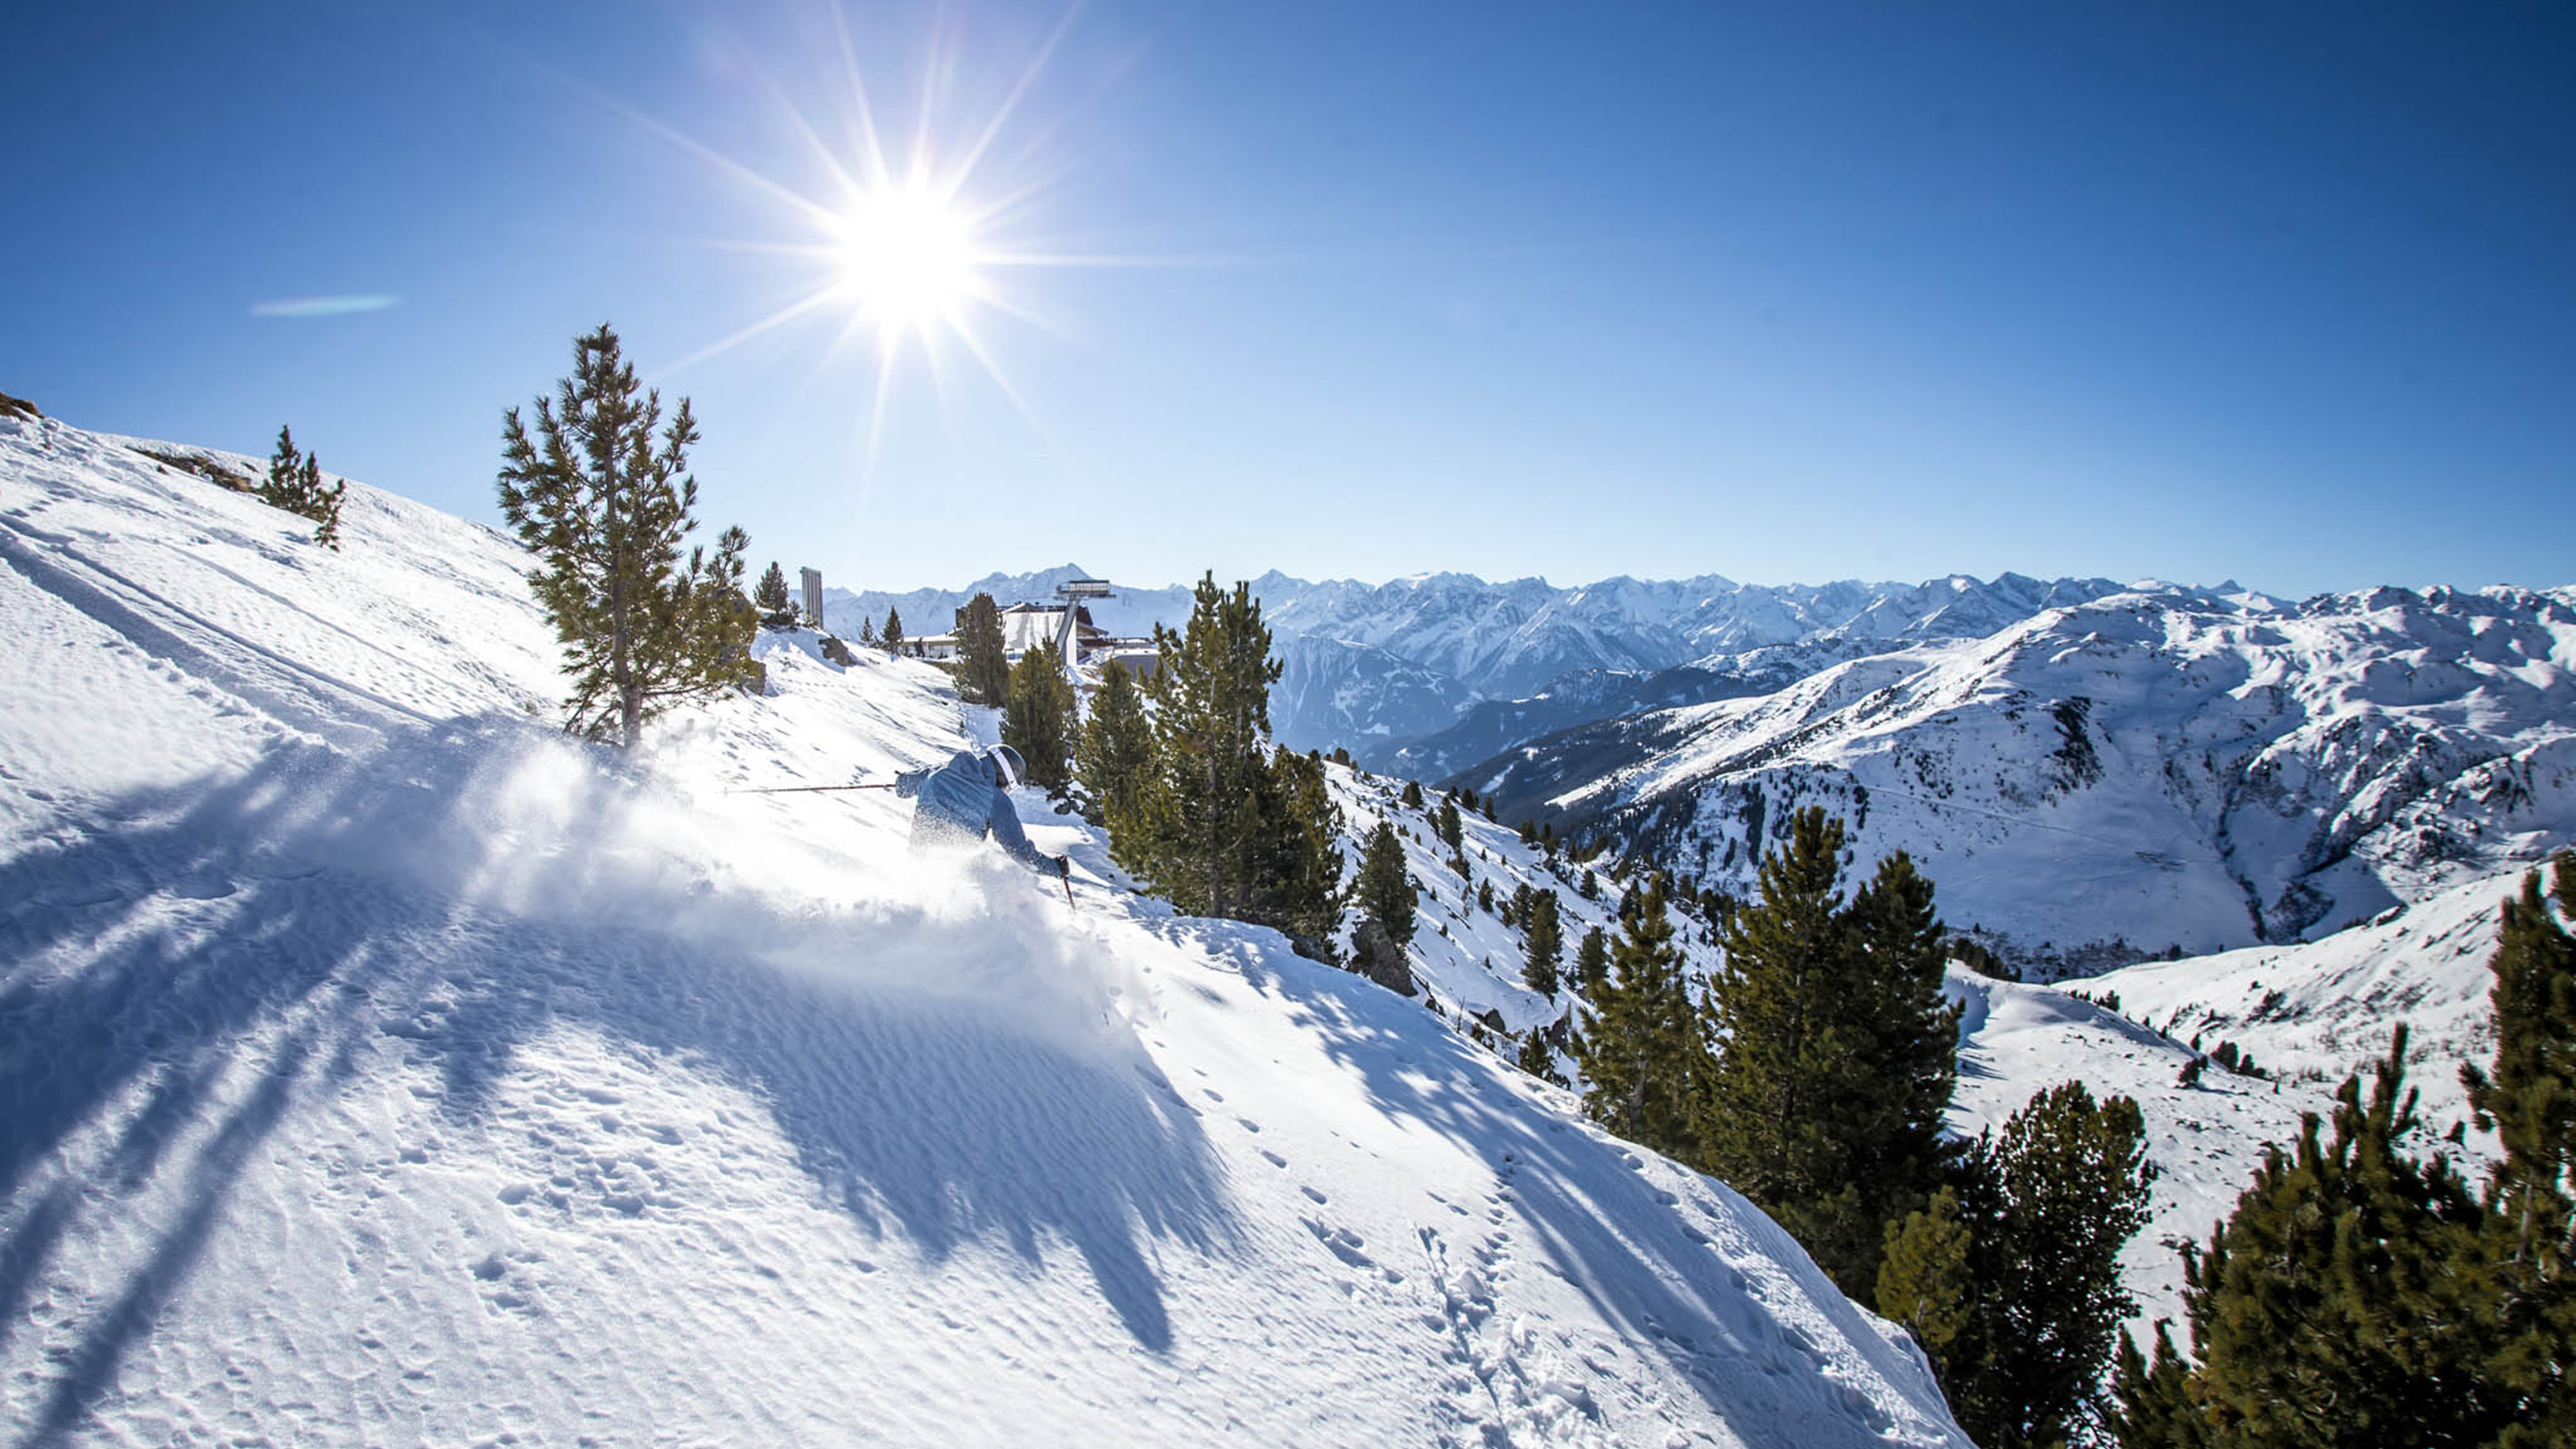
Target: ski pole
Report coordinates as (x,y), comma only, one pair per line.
(800,789)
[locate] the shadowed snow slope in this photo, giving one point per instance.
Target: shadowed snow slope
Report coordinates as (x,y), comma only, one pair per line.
(377,1066)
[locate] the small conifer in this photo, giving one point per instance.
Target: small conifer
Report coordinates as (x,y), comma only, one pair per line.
(605,503)
(777,608)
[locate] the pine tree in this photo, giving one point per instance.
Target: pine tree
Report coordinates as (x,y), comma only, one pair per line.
(868,632)
(1826,1104)
(1384,894)
(1642,1047)
(1037,718)
(1412,795)
(2528,1099)
(984,674)
(2048,1204)
(2328,1310)
(321,504)
(285,470)
(1542,943)
(294,483)
(1211,697)
(891,636)
(1537,1058)
(2368,1285)
(1907,1032)
(1592,961)
(1923,1280)
(1296,864)
(1450,828)
(1114,753)
(1787,1067)
(777,608)
(605,509)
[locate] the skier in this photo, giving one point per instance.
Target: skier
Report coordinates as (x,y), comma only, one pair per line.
(967,798)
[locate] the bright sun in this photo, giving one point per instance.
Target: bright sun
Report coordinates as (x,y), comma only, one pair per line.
(905,249)
(907,259)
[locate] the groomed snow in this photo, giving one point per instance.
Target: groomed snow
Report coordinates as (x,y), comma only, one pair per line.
(376,1066)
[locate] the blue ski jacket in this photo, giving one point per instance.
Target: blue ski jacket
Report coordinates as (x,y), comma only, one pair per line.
(963,801)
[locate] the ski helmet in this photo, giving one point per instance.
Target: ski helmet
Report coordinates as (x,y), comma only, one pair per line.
(1008,761)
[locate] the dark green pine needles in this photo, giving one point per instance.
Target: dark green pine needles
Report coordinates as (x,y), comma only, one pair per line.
(606,505)
(2361,1293)
(1213,817)
(294,483)
(1037,717)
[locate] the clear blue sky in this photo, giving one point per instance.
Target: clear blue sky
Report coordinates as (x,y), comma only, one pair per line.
(1786,291)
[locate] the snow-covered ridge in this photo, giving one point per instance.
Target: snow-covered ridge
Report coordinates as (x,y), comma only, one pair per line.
(2148,770)
(377,1065)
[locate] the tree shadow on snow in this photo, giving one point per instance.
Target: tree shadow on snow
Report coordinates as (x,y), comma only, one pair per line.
(181,969)
(1618,1239)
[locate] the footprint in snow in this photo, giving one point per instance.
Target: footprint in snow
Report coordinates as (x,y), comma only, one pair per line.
(1316,1197)
(1275,1159)
(1342,1242)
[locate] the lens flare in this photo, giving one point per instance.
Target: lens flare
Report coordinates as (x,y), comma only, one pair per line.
(909,259)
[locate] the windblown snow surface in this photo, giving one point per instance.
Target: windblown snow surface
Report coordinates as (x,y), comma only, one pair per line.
(378,1066)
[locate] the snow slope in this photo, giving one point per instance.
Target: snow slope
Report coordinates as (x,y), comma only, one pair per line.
(2017,1040)
(2153,769)
(377,1066)
(2321,1010)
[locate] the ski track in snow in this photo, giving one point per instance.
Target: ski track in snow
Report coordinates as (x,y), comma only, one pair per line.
(377,1066)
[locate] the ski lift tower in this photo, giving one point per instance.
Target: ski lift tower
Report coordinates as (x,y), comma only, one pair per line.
(1074,592)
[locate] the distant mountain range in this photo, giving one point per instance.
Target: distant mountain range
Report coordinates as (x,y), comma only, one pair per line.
(1387,670)
(2093,771)
(2154,769)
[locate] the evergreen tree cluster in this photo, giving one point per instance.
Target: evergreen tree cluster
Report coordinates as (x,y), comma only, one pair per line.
(2363,1292)
(294,483)
(605,503)
(1825,1106)
(1812,1075)
(1200,807)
